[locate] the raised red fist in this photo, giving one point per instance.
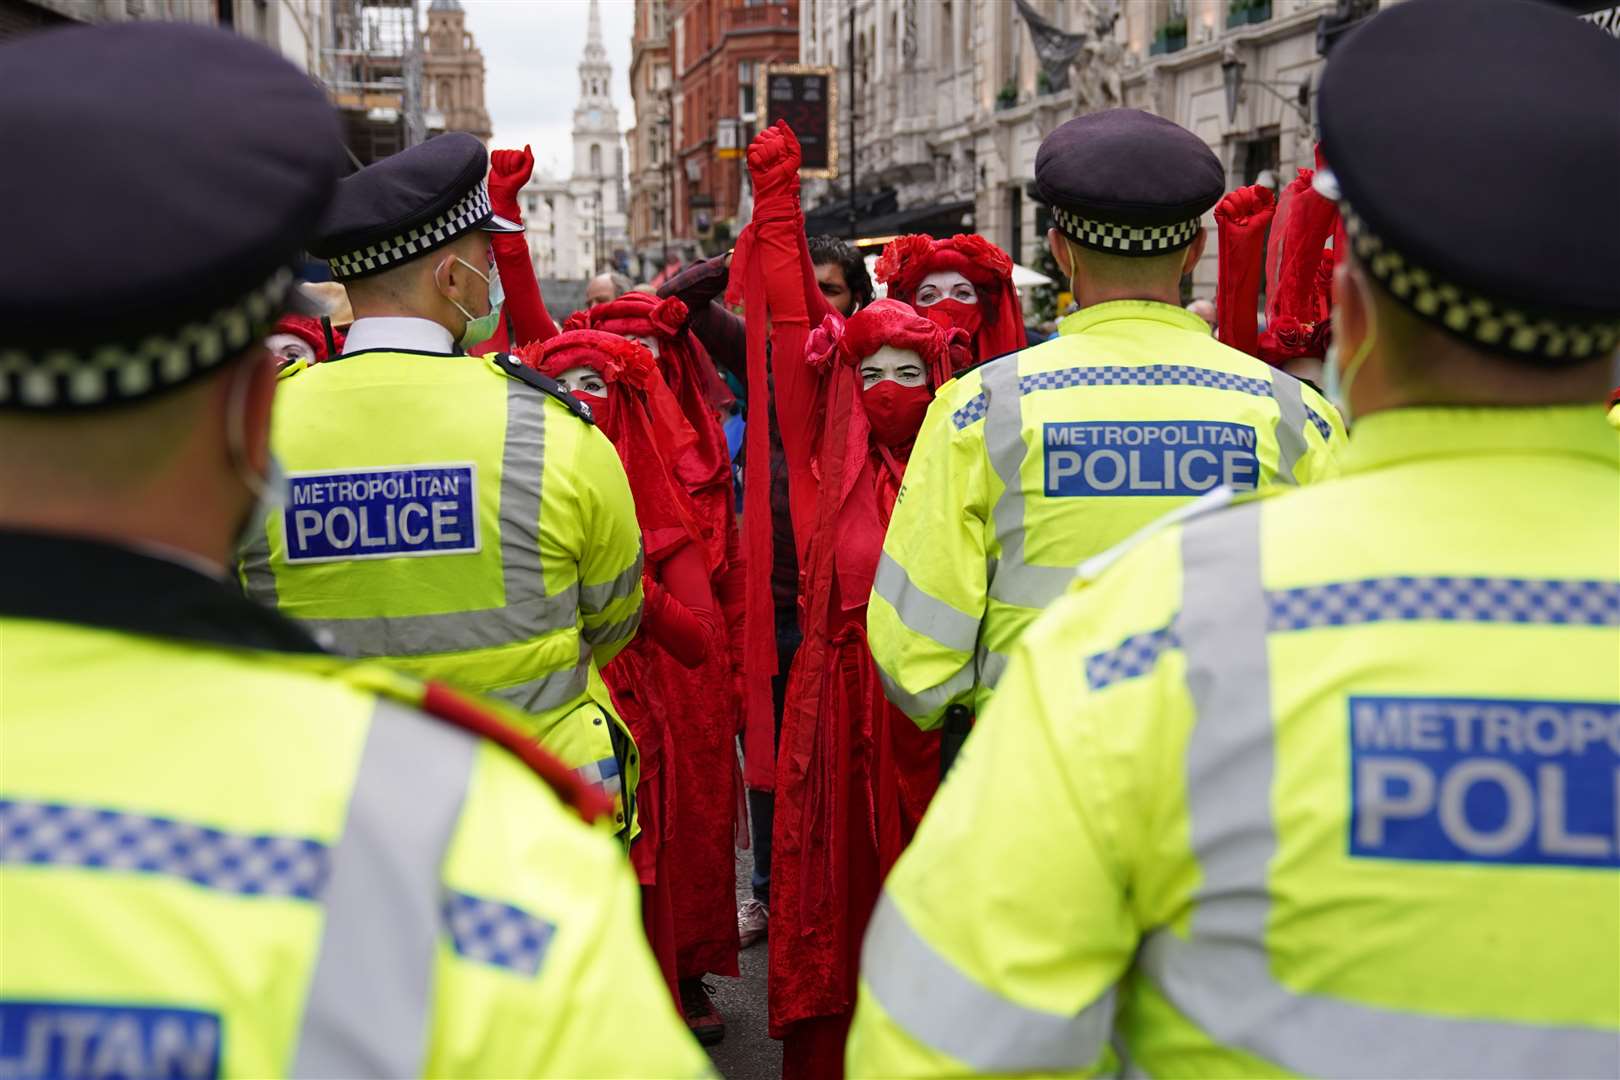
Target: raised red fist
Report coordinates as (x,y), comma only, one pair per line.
(509,170)
(773,160)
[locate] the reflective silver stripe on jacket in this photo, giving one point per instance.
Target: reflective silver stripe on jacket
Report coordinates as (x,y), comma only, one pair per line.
(1220,978)
(550,691)
(1012,580)
(595,598)
(921,613)
(1290,432)
(368,1011)
(944,1009)
(528,612)
(929,701)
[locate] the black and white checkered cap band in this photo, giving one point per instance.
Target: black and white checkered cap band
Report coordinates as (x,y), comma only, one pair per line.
(1125,239)
(467,214)
(60,379)
(1494,325)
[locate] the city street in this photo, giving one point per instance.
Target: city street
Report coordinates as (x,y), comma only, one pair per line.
(748,1052)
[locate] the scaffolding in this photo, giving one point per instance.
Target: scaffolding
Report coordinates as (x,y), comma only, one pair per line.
(373,71)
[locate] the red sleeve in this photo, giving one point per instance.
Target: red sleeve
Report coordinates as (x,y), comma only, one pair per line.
(525,307)
(679,610)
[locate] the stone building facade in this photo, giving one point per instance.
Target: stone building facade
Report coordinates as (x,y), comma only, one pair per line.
(716,49)
(652,178)
(951,100)
(577,225)
(452,73)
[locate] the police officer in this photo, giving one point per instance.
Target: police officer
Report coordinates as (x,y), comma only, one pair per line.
(456,515)
(1043,458)
(222,852)
(1324,784)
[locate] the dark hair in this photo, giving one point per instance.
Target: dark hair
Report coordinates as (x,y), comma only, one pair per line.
(830,249)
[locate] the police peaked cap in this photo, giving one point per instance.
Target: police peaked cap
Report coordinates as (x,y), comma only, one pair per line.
(1475,152)
(160,181)
(407,205)
(1127,182)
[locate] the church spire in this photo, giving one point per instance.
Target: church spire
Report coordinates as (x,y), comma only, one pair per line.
(594,49)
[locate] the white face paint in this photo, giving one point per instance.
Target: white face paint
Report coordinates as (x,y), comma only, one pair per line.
(651,344)
(945,285)
(288,349)
(584,379)
(894,364)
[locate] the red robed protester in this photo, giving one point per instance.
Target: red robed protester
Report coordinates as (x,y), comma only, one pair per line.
(853,774)
(524,319)
(963,283)
(629,402)
(702,702)
(1298,269)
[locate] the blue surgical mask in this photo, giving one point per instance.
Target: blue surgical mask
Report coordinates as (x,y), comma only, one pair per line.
(484,326)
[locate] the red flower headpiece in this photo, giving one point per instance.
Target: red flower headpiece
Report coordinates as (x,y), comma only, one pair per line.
(634,313)
(613,357)
(886,322)
(309,330)
(906,260)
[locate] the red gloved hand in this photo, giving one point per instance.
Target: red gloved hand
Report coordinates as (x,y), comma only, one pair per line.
(509,170)
(1241,218)
(773,161)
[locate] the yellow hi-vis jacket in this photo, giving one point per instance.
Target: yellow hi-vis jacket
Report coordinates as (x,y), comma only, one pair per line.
(1034,462)
(222,861)
(447,516)
(1321,784)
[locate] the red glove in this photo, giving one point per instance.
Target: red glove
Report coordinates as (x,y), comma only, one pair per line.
(509,170)
(773,162)
(1241,218)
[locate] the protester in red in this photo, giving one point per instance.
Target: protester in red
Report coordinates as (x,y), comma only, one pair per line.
(963,283)
(300,337)
(524,319)
(629,402)
(854,775)
(702,703)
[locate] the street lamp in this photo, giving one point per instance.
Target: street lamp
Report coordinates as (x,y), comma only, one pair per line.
(1233,82)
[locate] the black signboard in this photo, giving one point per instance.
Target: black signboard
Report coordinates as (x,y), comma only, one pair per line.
(807,98)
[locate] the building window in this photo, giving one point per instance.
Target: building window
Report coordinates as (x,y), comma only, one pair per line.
(746,74)
(596,159)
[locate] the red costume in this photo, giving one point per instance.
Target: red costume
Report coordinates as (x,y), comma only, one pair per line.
(853,774)
(700,703)
(995,324)
(1298,269)
(524,312)
(679,617)
(309,330)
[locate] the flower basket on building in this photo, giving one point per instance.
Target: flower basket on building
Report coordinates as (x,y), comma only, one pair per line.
(1172,37)
(1244,12)
(1007,97)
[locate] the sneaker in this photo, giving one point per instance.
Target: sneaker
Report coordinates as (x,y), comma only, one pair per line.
(707,1025)
(753,918)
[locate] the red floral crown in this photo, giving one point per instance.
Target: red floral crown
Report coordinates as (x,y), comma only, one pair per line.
(634,313)
(906,260)
(613,357)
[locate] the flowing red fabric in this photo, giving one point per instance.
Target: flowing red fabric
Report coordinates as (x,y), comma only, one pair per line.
(1298,304)
(644,423)
(1241,219)
(850,786)
(699,704)
(907,260)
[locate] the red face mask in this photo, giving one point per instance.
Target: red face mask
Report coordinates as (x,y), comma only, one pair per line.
(894,411)
(599,407)
(948,313)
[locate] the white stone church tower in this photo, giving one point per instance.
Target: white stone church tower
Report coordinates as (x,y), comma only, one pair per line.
(579,225)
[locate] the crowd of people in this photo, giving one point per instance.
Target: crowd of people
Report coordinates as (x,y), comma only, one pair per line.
(392,668)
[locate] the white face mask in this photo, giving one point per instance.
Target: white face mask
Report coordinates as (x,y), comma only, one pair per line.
(584,379)
(651,344)
(945,285)
(893,363)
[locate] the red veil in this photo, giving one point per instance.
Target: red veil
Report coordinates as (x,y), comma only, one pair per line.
(643,421)
(908,259)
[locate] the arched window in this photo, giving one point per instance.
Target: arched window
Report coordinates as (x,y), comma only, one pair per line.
(596,159)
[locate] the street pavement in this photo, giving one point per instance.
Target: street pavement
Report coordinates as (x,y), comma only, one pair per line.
(747,1053)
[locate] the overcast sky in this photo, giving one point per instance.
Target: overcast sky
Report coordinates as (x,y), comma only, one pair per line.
(532,50)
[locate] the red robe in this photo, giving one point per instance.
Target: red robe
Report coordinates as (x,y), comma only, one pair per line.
(700,703)
(853,774)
